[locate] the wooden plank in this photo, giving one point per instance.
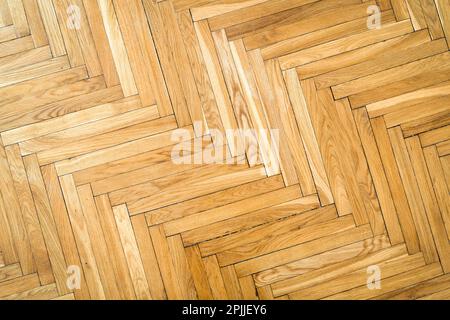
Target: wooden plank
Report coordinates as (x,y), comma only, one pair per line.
(397,103)
(321,261)
(181,265)
(319,19)
(97,238)
(231,282)
(117,46)
(445,162)
(437,176)
(145,161)
(30,216)
(173,79)
(251,219)
(33,71)
(255,108)
(253,236)
(393,177)
(282,241)
(63,225)
(35,23)
(335,270)
(329,115)
(429,122)
(308,137)
(182,64)
(413,194)
(265,293)
(47,222)
(253,12)
(100,39)
(210,10)
(391,267)
(320,121)
(7,33)
(89,145)
(19,18)
(165,263)
(50,22)
(81,235)
(15,46)
(416,13)
(443,148)
(200,73)
(39,293)
(405,80)
(67,91)
(300,251)
(215,278)
(435,219)
(218,83)
(64,122)
(86,42)
(213,200)
(10,271)
(115,153)
(418,111)
(432,18)
(380,181)
(18,285)
(273,117)
(148,257)
(419,290)
(319,36)
(444,17)
(22,59)
(389,76)
(116,253)
(235,91)
(193,187)
(14,93)
(72,104)
(345,44)
(408,48)
(8,252)
(126,12)
(350,141)
(198,273)
(248,288)
(441,295)
(231,210)
(290,133)
(131,251)
(434,136)
(393,283)
(145,39)
(69,33)
(400,8)
(5,15)
(89,130)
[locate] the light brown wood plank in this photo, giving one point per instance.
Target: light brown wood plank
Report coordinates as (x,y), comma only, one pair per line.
(413,194)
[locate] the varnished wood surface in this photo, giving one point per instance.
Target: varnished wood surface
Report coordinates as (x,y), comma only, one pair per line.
(92,92)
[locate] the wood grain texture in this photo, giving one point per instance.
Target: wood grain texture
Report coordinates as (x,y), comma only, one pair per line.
(224,149)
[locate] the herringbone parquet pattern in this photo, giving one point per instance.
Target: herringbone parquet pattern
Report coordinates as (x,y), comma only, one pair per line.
(92,93)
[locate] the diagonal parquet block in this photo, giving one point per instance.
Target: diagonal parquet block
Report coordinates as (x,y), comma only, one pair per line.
(139,156)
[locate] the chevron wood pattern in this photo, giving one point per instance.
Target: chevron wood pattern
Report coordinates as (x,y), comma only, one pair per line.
(93,204)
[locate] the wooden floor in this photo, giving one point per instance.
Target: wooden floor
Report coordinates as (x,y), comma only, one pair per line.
(92,93)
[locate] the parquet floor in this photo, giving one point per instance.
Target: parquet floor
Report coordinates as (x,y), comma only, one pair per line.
(95,93)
